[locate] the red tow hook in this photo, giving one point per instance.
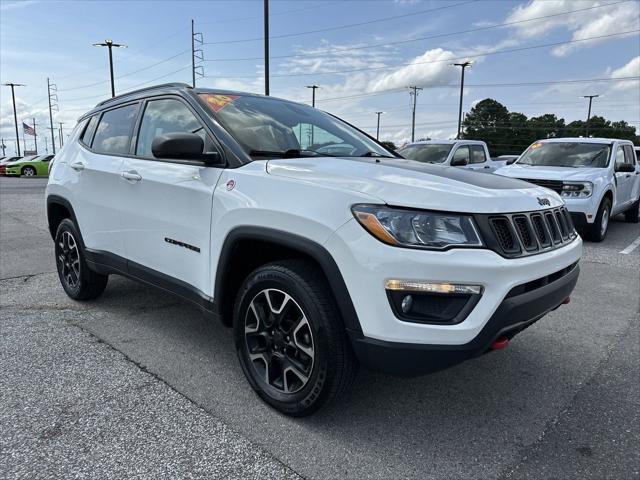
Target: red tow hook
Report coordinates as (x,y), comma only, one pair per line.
(499,343)
(566,300)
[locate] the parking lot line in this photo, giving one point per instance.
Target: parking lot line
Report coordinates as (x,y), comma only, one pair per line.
(635,244)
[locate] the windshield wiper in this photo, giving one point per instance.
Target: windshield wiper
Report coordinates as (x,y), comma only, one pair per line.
(375,154)
(291,153)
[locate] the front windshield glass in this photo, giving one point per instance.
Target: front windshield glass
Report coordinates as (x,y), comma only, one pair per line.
(427,153)
(566,154)
(268,127)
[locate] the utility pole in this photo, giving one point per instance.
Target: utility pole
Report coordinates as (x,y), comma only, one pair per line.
(46,145)
(414,94)
(110,45)
(15,115)
(313,94)
(52,96)
(61,134)
(463,66)
(266,47)
(196,54)
(590,97)
(3,146)
(378,127)
(35,136)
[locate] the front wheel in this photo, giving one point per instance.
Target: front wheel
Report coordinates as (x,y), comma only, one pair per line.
(598,231)
(29,172)
(78,281)
(290,339)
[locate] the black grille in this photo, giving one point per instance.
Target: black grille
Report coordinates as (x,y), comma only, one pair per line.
(555,185)
(527,233)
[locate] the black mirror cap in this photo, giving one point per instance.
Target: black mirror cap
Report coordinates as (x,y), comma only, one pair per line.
(459,162)
(625,168)
(183,146)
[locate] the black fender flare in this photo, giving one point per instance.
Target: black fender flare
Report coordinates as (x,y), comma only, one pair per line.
(295,242)
(58,200)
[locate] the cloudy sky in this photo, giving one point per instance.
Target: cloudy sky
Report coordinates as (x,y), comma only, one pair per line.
(535,56)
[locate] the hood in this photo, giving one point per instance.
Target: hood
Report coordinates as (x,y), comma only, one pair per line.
(406,183)
(550,173)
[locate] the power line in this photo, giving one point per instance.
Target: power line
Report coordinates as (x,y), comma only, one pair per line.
(466,57)
(340,27)
(430,37)
(228,20)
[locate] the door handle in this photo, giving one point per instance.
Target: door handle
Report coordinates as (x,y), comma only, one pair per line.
(77,166)
(132,175)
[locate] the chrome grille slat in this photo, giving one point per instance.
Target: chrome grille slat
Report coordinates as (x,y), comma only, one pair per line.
(528,233)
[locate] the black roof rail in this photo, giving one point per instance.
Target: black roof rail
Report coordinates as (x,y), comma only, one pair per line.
(140,90)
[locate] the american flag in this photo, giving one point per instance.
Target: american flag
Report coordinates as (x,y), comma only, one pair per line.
(28,129)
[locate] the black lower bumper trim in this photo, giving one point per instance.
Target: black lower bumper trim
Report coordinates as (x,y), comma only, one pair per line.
(579,221)
(514,314)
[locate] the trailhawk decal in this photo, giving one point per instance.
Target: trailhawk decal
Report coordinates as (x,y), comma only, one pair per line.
(181,244)
(217,101)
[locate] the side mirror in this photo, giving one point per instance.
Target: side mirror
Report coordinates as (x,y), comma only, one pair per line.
(511,161)
(625,168)
(183,146)
(459,162)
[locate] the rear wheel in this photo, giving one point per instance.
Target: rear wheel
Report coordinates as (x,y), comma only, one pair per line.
(290,339)
(598,231)
(632,215)
(78,281)
(29,172)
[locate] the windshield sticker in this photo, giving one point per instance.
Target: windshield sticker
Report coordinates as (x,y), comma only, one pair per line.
(217,101)
(535,145)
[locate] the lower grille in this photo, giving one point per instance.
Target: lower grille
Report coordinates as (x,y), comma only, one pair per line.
(527,233)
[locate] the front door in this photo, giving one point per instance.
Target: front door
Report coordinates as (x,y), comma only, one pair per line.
(168,219)
(478,159)
(624,180)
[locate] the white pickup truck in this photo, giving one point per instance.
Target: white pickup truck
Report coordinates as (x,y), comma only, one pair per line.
(471,154)
(597,177)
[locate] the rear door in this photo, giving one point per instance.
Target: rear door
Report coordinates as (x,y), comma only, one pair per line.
(96,165)
(634,187)
(478,159)
(167,221)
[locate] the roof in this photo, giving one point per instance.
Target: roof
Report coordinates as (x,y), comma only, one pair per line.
(583,140)
(445,142)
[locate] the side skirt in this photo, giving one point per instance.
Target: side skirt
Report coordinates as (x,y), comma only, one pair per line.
(107,263)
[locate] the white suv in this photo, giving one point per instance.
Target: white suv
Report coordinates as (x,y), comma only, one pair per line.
(320,263)
(597,177)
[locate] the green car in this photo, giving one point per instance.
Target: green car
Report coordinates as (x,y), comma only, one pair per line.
(36,165)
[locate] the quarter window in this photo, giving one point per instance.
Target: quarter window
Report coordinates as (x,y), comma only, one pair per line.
(89,131)
(477,154)
(168,116)
(113,135)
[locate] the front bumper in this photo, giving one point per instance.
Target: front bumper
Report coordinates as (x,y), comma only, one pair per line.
(583,210)
(12,172)
(516,312)
(366,264)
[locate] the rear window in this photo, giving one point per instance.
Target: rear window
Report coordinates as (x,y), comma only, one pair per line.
(113,135)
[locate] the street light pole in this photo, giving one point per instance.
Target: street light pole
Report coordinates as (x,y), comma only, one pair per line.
(15,115)
(463,66)
(35,136)
(3,146)
(61,134)
(266,47)
(378,127)
(110,45)
(590,97)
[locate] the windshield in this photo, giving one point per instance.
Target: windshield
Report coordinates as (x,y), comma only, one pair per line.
(268,127)
(427,153)
(566,154)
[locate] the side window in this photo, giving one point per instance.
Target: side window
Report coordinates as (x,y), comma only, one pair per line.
(168,116)
(462,153)
(87,135)
(113,135)
(619,156)
(629,155)
(477,154)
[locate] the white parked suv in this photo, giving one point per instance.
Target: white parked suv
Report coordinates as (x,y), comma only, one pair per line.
(471,154)
(319,263)
(597,177)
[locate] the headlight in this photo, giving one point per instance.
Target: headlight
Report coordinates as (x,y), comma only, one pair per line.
(577,189)
(421,229)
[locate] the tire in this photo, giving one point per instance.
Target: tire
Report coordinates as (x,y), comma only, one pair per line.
(78,281)
(29,172)
(598,231)
(632,215)
(290,339)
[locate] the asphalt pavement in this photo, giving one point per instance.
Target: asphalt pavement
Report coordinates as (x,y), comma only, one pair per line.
(138,383)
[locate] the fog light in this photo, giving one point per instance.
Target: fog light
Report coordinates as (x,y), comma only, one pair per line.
(407,302)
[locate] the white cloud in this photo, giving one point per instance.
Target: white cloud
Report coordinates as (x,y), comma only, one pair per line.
(630,69)
(590,23)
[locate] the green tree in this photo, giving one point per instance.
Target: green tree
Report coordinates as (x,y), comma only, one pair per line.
(519,133)
(547,126)
(389,145)
(488,120)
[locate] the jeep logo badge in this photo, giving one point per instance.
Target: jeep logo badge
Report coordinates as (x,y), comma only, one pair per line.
(544,202)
